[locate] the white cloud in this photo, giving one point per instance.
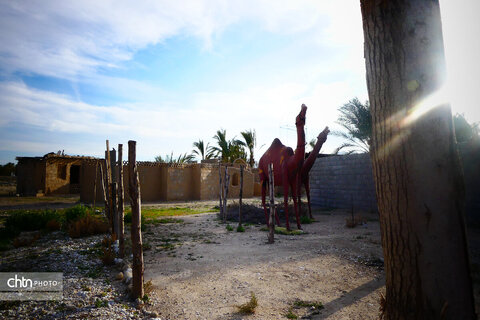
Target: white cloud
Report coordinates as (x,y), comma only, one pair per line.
(71,38)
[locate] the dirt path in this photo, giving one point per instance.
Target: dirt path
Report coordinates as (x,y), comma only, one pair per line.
(202,271)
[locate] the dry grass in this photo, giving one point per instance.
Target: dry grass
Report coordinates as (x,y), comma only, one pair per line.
(249,307)
(108,256)
(53,225)
(87,226)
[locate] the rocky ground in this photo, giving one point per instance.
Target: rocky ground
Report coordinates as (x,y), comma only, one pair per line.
(91,290)
(201,270)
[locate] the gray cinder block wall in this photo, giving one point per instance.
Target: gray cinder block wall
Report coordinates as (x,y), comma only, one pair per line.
(340,181)
(337,180)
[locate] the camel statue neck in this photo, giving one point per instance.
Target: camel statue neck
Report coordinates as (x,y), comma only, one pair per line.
(300,150)
(308,164)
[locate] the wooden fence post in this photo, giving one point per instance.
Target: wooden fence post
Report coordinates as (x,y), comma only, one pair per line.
(136,233)
(225,196)
(95,186)
(240,198)
(121,206)
(104,188)
(220,189)
(271,220)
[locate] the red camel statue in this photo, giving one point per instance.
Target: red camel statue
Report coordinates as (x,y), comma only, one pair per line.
(307,166)
(286,167)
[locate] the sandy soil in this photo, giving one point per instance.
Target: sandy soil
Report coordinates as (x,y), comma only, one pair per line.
(202,271)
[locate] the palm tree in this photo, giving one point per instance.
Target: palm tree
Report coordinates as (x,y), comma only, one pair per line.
(250,139)
(182,158)
(201,150)
(356,119)
(227,150)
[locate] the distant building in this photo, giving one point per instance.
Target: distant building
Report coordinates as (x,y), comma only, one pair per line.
(50,174)
(61,174)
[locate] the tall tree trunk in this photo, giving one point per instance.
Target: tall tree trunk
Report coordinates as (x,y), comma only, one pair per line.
(418,177)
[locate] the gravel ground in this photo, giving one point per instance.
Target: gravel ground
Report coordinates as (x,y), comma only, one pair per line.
(91,290)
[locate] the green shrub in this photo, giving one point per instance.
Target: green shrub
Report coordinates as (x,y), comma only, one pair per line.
(76,212)
(249,307)
(229,227)
(25,220)
(240,229)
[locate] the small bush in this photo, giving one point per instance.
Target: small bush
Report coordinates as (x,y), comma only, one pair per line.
(306,220)
(148,287)
(308,304)
(24,220)
(75,213)
(53,225)
(87,226)
(240,229)
(249,307)
(229,227)
(108,256)
(290,314)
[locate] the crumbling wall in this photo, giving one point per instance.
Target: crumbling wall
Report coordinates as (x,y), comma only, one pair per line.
(57,176)
(30,176)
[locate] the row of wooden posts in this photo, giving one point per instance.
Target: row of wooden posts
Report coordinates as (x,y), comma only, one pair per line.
(223,194)
(113,195)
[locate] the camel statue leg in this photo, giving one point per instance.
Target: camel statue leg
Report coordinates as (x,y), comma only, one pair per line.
(264,191)
(295,207)
(307,191)
(285,196)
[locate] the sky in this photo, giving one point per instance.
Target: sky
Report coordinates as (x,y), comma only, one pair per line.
(169,73)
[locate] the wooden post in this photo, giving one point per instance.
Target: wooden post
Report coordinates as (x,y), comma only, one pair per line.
(108,168)
(121,206)
(114,216)
(271,220)
(225,196)
(104,189)
(136,232)
(220,189)
(95,186)
(240,198)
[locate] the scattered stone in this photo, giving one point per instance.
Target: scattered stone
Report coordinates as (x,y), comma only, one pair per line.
(119,276)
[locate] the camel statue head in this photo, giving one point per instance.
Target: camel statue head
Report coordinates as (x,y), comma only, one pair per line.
(300,119)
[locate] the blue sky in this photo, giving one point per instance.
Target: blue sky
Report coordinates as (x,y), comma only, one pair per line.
(168,73)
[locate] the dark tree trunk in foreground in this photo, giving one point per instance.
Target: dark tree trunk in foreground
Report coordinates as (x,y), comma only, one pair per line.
(136,234)
(121,205)
(418,177)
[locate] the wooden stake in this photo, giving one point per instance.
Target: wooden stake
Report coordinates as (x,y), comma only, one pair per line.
(121,206)
(271,220)
(104,189)
(95,186)
(227,182)
(240,198)
(220,189)
(136,233)
(115,215)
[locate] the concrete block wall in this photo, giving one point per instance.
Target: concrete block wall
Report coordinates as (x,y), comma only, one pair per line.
(340,181)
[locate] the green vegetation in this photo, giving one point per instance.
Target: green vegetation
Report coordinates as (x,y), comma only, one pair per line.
(78,221)
(7,169)
(308,304)
(154,215)
(182,158)
(306,220)
(282,230)
(355,118)
(290,314)
(249,307)
(240,229)
(101,303)
(229,227)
